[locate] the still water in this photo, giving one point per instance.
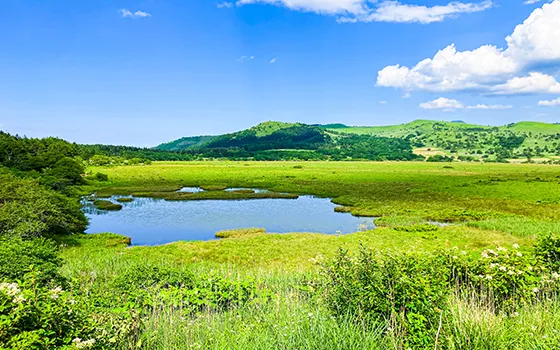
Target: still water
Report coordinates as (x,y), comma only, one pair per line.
(151,221)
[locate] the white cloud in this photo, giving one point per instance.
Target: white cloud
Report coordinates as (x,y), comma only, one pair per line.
(451,104)
(382,102)
(489,68)
(535,82)
(126,13)
(142,14)
(550,103)
(138,14)
(273,60)
(482,106)
(442,103)
(394,11)
(225,4)
(376,11)
(407,94)
(529,2)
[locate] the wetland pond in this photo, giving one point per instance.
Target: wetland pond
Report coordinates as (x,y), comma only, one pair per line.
(150,221)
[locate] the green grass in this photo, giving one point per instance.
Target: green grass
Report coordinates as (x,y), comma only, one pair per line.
(489,205)
(106,205)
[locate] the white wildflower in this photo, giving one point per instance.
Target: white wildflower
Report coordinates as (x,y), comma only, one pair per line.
(516,246)
(503,268)
(519,254)
(485,254)
(18,299)
(501,249)
(535,290)
(11,289)
(55,292)
(488,277)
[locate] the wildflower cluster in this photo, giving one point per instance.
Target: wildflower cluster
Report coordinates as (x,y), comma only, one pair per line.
(512,277)
(35,316)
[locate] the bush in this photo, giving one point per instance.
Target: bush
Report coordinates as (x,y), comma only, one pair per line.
(101,177)
(439,158)
(37,317)
(406,292)
(30,210)
(547,250)
(148,285)
(18,257)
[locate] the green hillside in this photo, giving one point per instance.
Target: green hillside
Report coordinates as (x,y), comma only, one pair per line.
(276,140)
(185,143)
(532,139)
(426,138)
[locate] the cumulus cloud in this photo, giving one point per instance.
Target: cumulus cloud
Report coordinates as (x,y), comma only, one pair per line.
(550,103)
(129,14)
(442,103)
(451,104)
(489,68)
(375,11)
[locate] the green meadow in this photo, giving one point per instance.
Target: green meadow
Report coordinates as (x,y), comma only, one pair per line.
(484,206)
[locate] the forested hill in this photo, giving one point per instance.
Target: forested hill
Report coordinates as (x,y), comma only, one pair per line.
(523,140)
(427,138)
(276,140)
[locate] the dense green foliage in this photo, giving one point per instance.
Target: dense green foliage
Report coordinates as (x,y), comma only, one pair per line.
(524,140)
(411,292)
(285,141)
(20,256)
(28,209)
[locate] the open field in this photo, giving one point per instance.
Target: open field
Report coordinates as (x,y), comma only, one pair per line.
(486,205)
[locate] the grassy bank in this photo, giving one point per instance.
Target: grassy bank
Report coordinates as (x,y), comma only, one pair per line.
(486,205)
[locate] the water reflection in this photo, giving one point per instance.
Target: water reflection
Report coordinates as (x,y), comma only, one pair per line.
(150,221)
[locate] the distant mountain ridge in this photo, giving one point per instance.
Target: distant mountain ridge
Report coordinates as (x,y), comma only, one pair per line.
(456,138)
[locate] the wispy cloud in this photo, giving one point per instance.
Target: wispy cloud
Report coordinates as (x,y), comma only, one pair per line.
(450,105)
(350,11)
(245,58)
(273,60)
(125,13)
(529,2)
(225,4)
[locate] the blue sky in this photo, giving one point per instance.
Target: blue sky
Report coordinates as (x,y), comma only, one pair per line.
(146,72)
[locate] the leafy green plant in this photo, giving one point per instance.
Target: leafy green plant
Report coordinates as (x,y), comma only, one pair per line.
(18,257)
(37,317)
(406,291)
(547,250)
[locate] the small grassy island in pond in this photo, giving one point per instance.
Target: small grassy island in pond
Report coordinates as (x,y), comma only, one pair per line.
(106,205)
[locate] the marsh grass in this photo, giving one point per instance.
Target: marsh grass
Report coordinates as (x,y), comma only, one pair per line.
(490,205)
(518,226)
(240,233)
(106,205)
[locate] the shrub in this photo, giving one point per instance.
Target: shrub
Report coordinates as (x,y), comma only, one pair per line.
(18,257)
(38,317)
(439,158)
(405,291)
(30,210)
(508,278)
(101,177)
(547,250)
(149,285)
